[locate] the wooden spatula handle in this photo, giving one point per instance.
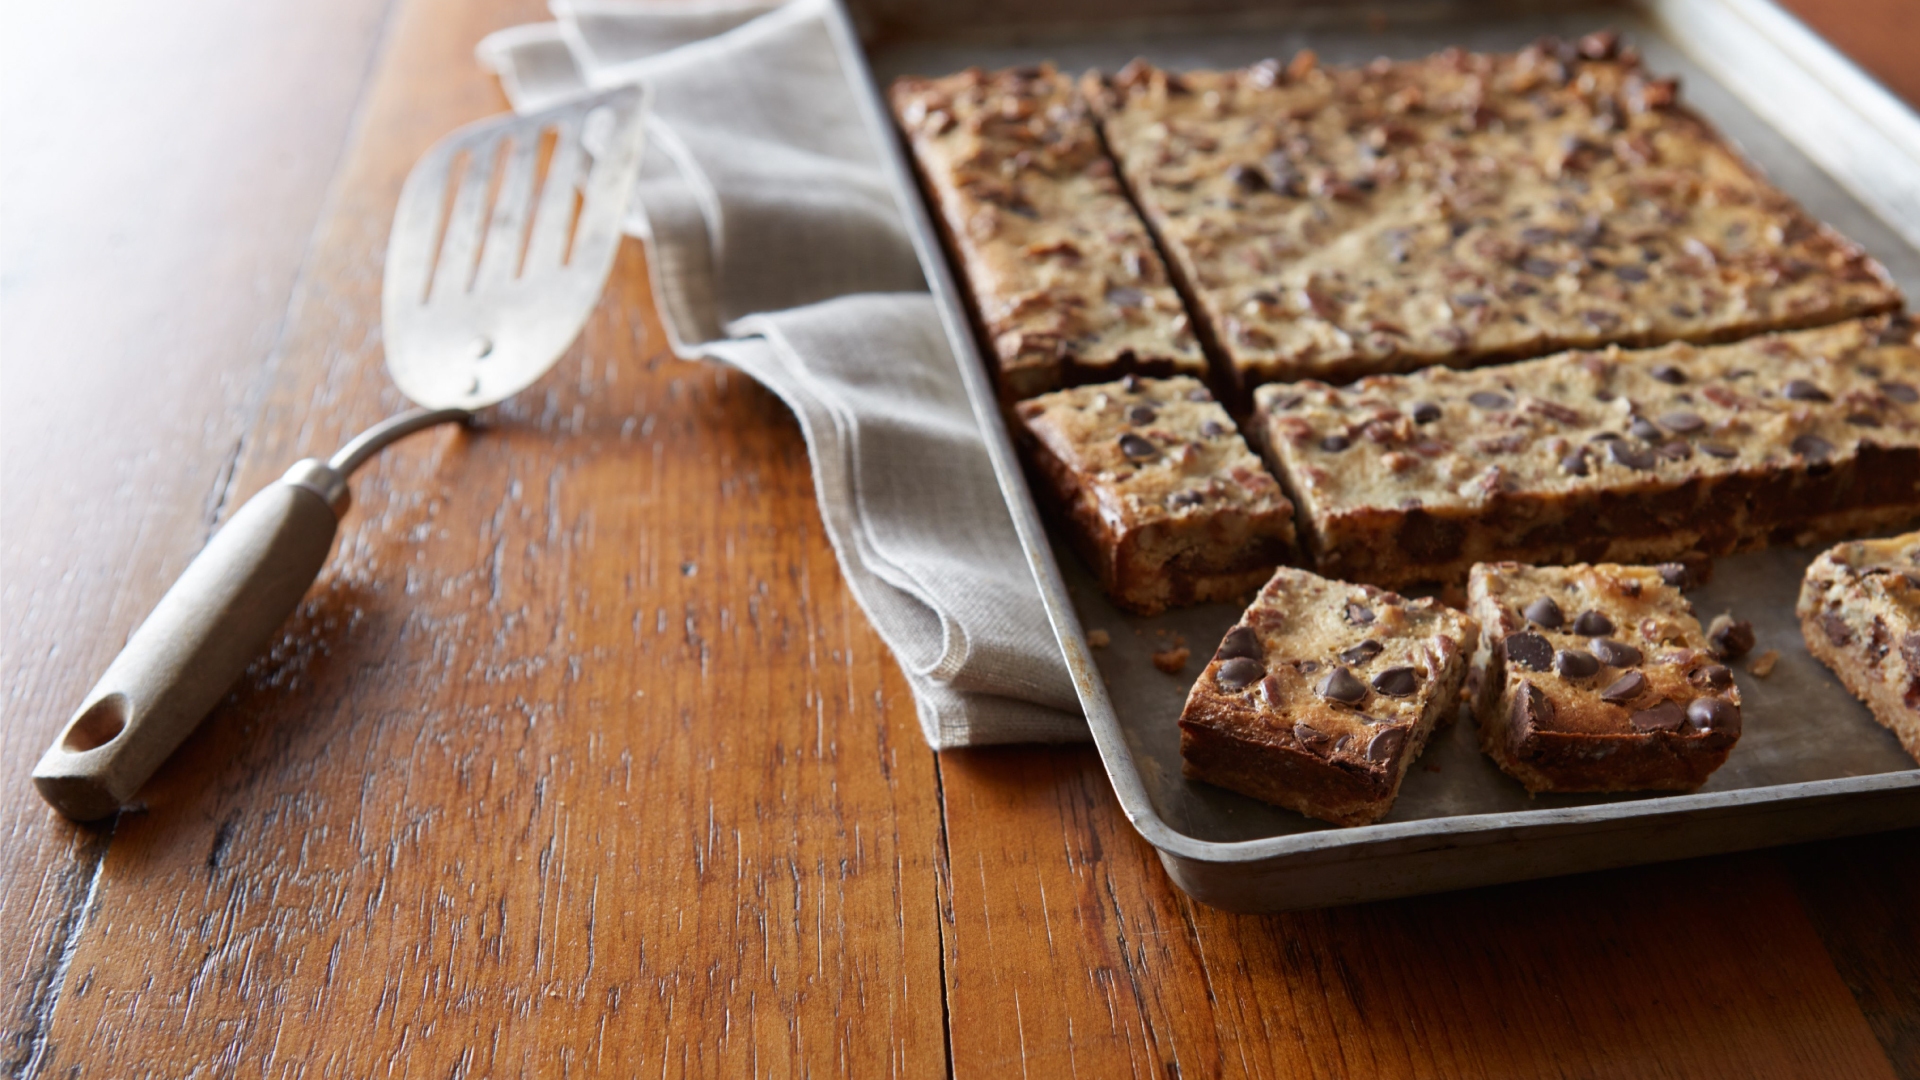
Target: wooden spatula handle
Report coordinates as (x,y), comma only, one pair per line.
(216,619)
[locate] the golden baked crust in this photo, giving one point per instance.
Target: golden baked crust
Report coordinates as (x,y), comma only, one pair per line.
(1464,208)
(1677,453)
(1063,275)
(1860,613)
(1598,678)
(1159,491)
(1323,695)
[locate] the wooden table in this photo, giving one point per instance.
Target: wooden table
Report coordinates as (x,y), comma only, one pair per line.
(580,759)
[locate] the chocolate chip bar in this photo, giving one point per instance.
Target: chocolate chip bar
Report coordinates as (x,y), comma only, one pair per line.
(1160,493)
(1463,208)
(1064,278)
(1678,453)
(1860,612)
(1598,678)
(1323,695)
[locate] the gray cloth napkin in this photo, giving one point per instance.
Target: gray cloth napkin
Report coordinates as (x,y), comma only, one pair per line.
(776,246)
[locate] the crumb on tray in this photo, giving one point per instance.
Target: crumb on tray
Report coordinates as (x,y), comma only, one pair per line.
(1762,665)
(1098,638)
(1173,658)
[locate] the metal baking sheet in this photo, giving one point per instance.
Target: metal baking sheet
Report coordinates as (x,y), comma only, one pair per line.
(1811,762)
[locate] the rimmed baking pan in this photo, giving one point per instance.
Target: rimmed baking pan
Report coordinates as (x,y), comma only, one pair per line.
(1811,764)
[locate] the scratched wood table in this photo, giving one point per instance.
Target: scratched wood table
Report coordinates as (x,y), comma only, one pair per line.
(580,758)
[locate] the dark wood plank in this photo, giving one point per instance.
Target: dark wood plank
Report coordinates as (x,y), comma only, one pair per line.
(1863,895)
(165,165)
(579,757)
(1069,951)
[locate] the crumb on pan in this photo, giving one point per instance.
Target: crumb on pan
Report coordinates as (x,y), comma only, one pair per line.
(1098,638)
(1762,665)
(1173,658)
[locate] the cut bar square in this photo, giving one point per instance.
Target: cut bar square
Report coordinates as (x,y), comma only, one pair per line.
(1324,694)
(1680,453)
(1461,209)
(1159,491)
(1860,613)
(1063,275)
(1598,678)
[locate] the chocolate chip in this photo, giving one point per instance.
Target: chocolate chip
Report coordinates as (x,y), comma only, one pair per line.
(1529,650)
(1387,744)
(1288,403)
(1180,500)
(1424,412)
(1630,273)
(1812,447)
(1239,673)
(1592,624)
(1861,419)
(1487,399)
(1682,423)
(1341,686)
(1247,178)
(1141,415)
(1397,682)
(1604,436)
(1212,429)
(1361,653)
(1312,738)
(1676,575)
(1575,464)
(1666,716)
(1669,374)
(1645,430)
(1130,383)
(1359,614)
(1200,394)
(1718,450)
(1539,267)
(1615,653)
(1714,714)
(1802,390)
(1530,709)
(1122,296)
(1242,642)
(1712,676)
(1900,392)
(1544,612)
(1137,448)
(1633,458)
(1731,638)
(1333,444)
(1575,664)
(1625,688)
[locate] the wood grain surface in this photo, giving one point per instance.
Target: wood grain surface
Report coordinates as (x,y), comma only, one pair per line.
(580,759)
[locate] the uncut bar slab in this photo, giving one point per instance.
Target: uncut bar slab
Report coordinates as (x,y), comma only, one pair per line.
(1673,454)
(1464,208)
(1158,489)
(1598,678)
(1323,694)
(1860,613)
(1063,275)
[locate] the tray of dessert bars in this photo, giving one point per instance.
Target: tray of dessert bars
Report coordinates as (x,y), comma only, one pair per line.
(1543,600)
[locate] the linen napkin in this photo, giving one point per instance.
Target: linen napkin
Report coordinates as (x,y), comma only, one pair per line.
(775,245)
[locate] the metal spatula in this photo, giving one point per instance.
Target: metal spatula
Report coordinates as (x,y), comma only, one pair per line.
(501,245)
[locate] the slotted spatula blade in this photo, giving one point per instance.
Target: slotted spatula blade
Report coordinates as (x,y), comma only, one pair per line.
(501,245)
(505,233)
